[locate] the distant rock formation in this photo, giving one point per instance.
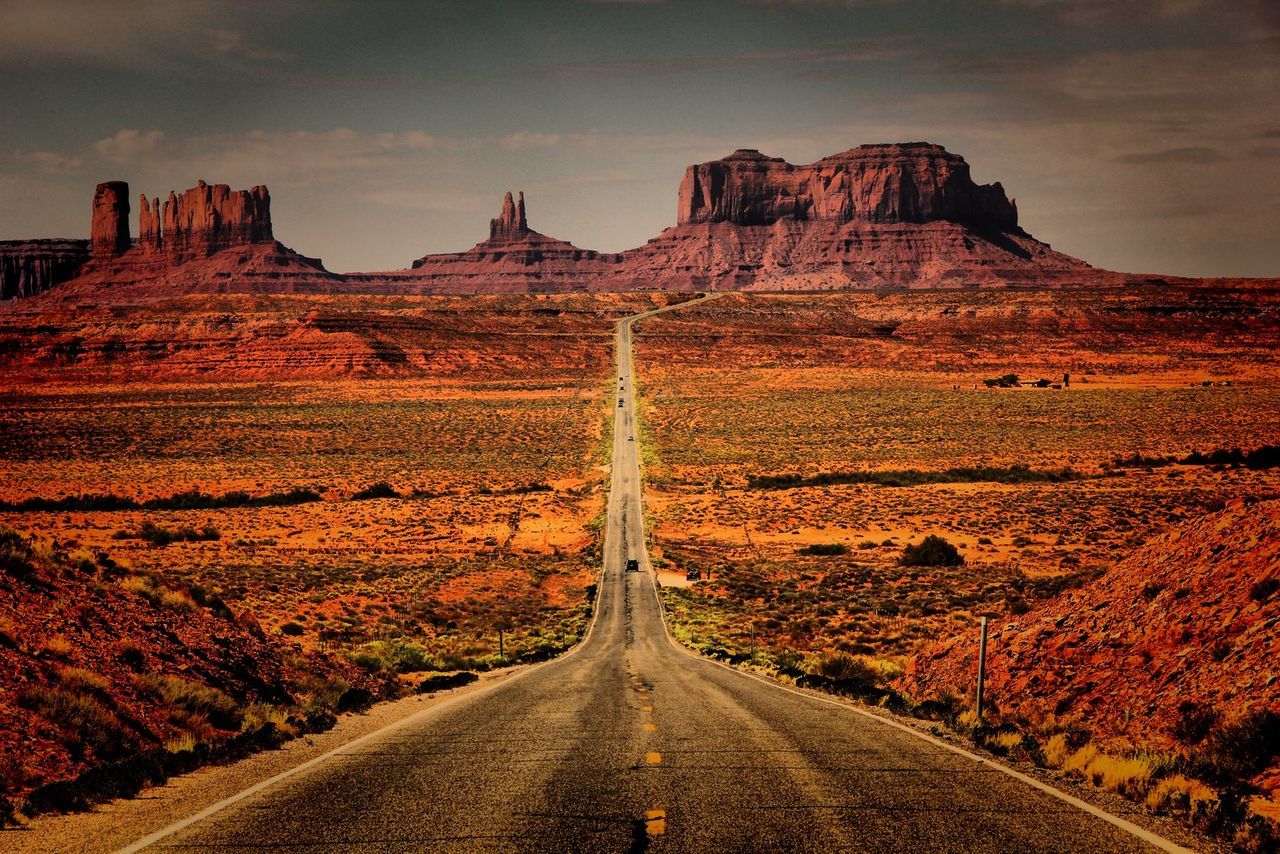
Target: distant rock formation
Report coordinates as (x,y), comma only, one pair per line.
(28,267)
(514,258)
(884,216)
(205,219)
(511,224)
(109,229)
(903,215)
(914,182)
(207,239)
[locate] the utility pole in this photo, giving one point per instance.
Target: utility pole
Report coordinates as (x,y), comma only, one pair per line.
(982,667)
(502,652)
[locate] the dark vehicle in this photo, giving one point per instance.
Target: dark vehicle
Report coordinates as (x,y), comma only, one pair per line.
(633,565)
(693,575)
(619,401)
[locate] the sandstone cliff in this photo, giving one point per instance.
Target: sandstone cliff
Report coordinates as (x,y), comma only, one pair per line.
(209,238)
(109,227)
(205,219)
(511,224)
(28,267)
(902,215)
(908,182)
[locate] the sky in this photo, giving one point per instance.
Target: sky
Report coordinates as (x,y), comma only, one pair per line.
(1142,136)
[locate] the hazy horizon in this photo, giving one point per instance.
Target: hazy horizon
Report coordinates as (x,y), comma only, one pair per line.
(1140,136)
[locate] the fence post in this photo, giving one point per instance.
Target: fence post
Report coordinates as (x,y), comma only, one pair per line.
(982,667)
(502,652)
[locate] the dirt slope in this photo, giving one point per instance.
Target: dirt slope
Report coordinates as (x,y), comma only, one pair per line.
(1179,638)
(99,664)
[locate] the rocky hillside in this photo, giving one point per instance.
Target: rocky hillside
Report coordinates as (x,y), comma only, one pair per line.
(1176,642)
(110,671)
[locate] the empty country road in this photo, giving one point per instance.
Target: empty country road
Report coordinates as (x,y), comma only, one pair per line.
(629,743)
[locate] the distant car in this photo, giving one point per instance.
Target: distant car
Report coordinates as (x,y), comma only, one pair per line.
(631,438)
(619,401)
(693,575)
(633,565)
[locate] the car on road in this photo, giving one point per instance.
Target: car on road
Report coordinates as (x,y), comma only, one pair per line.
(619,401)
(631,438)
(633,565)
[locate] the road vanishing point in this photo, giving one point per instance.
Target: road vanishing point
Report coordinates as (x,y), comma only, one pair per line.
(630,743)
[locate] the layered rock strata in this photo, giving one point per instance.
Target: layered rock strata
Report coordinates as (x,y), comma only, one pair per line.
(28,267)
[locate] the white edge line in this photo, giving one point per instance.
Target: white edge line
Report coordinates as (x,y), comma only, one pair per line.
(1129,827)
(1124,824)
(416,717)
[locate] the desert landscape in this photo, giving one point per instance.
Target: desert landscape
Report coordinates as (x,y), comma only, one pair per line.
(790,468)
(918,490)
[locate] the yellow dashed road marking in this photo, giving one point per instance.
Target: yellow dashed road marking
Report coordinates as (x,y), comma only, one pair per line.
(648,727)
(653,757)
(655,822)
(646,708)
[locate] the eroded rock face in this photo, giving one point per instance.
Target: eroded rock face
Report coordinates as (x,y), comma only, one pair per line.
(206,219)
(515,258)
(914,182)
(28,267)
(511,224)
(109,230)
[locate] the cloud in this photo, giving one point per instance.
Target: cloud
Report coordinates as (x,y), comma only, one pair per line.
(1190,154)
(1101,12)
(49,162)
(126,147)
(231,43)
(879,50)
(131,34)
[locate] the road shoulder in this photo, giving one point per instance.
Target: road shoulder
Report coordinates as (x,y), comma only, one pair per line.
(116,824)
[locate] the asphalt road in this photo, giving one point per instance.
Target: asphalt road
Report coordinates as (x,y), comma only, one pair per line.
(629,744)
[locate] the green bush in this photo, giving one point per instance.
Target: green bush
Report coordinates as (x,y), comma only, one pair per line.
(842,667)
(368,659)
(17,558)
(931,551)
(160,536)
(824,549)
(381,489)
(197,698)
(1244,747)
(82,720)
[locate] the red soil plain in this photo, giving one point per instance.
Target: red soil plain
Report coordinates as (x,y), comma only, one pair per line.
(245,493)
